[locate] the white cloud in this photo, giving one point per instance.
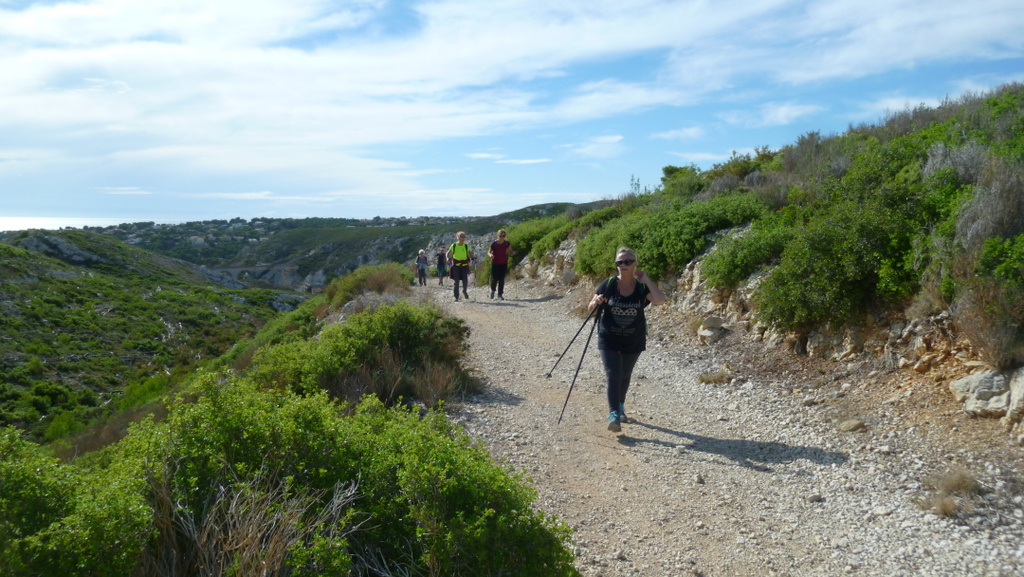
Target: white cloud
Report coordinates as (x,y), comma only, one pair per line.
(701,157)
(317,91)
(878,109)
(770,114)
(691,133)
(525,161)
(598,147)
(852,39)
(125,191)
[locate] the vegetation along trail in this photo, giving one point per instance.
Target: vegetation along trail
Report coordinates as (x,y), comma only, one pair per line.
(742,477)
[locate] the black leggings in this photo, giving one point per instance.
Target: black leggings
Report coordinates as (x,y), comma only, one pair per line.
(498,272)
(460,273)
(618,369)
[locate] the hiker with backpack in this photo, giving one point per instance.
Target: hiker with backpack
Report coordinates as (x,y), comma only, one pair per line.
(501,249)
(421,267)
(622,328)
(459,257)
(442,263)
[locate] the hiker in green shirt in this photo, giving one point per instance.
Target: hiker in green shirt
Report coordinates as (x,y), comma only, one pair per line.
(459,257)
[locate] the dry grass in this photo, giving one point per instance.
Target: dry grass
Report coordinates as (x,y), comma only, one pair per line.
(389,378)
(436,382)
(990,315)
(997,207)
(951,493)
(719,377)
(247,527)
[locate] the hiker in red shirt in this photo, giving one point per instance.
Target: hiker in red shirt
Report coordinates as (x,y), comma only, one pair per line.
(500,250)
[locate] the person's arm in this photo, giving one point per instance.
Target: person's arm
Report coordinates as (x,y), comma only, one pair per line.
(654,293)
(598,298)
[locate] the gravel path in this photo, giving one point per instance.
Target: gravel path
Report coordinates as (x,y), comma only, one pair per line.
(752,476)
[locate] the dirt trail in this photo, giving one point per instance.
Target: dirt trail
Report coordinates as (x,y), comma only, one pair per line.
(742,478)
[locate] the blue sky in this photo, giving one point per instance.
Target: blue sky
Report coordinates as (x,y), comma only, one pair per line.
(178,110)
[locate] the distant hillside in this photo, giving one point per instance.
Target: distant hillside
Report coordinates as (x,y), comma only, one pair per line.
(101,320)
(92,325)
(304,253)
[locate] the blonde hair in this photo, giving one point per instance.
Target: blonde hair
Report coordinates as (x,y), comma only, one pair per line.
(501,232)
(626,250)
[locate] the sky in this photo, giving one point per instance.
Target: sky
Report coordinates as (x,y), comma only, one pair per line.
(182,110)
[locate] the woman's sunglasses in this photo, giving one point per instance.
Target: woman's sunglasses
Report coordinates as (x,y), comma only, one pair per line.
(626,262)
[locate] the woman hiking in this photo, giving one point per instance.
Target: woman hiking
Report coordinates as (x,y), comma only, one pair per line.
(622,328)
(421,267)
(500,250)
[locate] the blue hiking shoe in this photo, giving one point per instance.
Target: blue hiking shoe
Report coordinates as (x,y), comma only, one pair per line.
(622,414)
(613,422)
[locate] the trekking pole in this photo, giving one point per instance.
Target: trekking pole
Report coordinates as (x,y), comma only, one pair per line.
(583,354)
(572,341)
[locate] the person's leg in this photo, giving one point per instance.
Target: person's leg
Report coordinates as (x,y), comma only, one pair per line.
(612,361)
(628,362)
(455,281)
(494,279)
(501,272)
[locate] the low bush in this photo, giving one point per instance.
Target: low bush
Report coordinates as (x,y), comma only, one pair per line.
(243,475)
(346,359)
(391,277)
(736,257)
(524,235)
(1003,259)
(832,269)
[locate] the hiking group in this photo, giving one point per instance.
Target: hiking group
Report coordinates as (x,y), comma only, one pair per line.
(618,303)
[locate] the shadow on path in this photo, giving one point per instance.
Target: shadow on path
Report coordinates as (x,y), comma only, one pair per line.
(538,299)
(756,455)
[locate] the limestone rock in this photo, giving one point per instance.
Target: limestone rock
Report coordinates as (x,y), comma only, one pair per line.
(984,394)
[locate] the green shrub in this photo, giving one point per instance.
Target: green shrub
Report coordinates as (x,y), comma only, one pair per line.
(682,183)
(735,258)
(551,240)
(674,237)
(370,341)
(242,474)
(524,235)
(585,223)
(833,268)
(297,325)
(390,277)
(1003,259)
(595,253)
(35,491)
